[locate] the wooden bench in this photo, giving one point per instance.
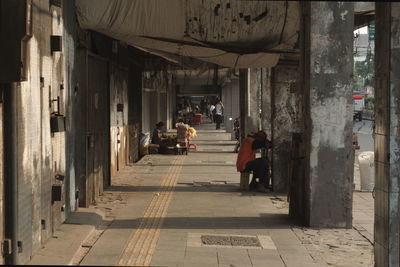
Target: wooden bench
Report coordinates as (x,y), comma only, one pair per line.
(244,180)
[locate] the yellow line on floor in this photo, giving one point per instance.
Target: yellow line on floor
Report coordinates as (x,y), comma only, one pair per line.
(142,243)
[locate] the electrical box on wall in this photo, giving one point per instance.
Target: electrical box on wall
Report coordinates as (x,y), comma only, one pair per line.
(57,123)
(56,192)
(120,107)
(56,43)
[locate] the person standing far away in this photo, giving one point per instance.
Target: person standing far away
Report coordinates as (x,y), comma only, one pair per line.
(219,107)
(212,107)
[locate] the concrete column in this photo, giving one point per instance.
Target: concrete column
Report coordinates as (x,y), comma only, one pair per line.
(254,101)
(230,97)
(243,88)
(249,87)
(387,134)
(266,105)
(286,99)
(327,67)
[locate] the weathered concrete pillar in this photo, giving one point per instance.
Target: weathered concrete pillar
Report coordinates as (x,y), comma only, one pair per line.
(254,101)
(286,99)
(327,61)
(249,85)
(387,134)
(266,105)
(230,97)
(243,84)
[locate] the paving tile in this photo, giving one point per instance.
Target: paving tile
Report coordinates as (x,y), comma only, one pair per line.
(237,257)
(212,209)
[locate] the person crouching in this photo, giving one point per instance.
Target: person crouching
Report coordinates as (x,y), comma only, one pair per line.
(247,161)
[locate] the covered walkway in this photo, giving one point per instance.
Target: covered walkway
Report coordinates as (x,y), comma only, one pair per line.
(161,210)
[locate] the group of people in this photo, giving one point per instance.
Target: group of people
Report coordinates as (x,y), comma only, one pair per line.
(246,159)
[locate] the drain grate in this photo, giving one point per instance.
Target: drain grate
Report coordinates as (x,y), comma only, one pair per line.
(230,241)
(241,241)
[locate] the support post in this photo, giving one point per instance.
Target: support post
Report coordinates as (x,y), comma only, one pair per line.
(254,101)
(327,84)
(387,134)
(286,99)
(249,85)
(266,105)
(243,85)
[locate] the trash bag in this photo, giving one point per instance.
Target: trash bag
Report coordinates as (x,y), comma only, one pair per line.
(144,140)
(144,144)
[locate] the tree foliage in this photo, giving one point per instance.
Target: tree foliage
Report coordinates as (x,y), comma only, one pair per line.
(364,72)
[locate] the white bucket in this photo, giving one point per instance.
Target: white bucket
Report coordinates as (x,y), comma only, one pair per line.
(367,170)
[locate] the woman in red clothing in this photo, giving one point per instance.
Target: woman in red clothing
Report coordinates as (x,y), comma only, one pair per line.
(247,161)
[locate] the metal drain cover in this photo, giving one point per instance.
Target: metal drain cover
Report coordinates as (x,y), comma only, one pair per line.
(230,241)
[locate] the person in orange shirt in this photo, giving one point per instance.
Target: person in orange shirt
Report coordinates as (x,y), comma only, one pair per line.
(247,161)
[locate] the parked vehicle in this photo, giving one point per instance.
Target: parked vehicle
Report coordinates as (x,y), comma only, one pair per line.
(359,104)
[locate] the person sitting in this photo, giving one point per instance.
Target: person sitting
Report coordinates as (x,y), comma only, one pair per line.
(247,161)
(157,133)
(159,138)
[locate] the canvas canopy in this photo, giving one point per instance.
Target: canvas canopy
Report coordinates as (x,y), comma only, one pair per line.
(232,33)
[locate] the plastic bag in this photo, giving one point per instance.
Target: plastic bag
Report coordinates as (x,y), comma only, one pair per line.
(144,140)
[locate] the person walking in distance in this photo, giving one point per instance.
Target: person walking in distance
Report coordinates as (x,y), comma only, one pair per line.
(212,108)
(219,108)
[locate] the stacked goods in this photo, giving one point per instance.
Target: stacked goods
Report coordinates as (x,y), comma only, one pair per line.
(181,130)
(192,132)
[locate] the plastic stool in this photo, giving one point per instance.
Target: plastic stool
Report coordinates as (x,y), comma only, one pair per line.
(193,146)
(244,180)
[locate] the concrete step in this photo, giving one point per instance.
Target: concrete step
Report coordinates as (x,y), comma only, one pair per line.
(213,137)
(201,131)
(68,239)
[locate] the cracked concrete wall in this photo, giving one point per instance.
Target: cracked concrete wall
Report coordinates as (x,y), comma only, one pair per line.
(71,108)
(286,120)
(40,154)
(118,93)
(253,101)
(266,104)
(387,135)
(329,170)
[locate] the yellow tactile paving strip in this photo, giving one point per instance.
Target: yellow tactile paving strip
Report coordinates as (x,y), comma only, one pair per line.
(142,243)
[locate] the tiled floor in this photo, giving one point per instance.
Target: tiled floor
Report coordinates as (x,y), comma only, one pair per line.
(198,194)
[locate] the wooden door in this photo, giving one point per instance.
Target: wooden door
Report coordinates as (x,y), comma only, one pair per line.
(97,151)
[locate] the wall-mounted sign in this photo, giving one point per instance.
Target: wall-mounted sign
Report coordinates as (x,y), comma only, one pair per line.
(371,32)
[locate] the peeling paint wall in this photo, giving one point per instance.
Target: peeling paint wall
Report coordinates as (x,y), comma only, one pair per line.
(71,86)
(266,101)
(40,154)
(330,113)
(242,24)
(119,118)
(57,92)
(286,120)
(387,135)
(253,102)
